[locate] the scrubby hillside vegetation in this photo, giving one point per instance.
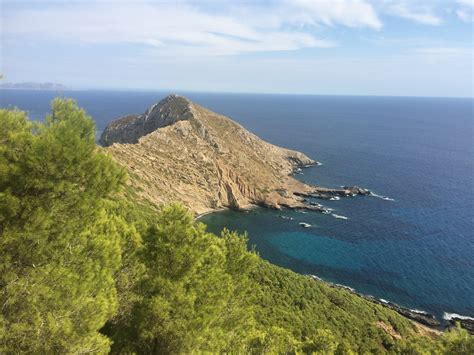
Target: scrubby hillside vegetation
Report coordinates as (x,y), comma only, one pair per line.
(84,268)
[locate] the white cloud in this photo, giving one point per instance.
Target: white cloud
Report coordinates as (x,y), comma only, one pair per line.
(190,28)
(445,51)
(466,10)
(465,16)
(419,14)
(351,13)
(469,3)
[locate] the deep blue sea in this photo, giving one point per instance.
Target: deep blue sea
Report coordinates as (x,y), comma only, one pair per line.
(417,250)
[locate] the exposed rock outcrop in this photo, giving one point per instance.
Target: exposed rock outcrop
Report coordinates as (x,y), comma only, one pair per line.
(180,151)
(419,317)
(464,321)
(130,128)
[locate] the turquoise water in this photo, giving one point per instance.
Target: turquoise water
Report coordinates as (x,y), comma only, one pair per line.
(417,250)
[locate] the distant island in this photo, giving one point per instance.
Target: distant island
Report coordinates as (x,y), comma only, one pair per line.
(33,86)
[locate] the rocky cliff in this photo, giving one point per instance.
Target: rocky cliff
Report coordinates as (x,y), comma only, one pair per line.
(180,151)
(130,128)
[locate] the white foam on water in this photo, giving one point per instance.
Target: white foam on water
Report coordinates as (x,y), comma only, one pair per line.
(449,316)
(345,287)
(385,198)
(316,277)
(339,216)
(418,311)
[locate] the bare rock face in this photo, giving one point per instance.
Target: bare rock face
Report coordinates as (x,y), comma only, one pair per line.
(180,151)
(130,128)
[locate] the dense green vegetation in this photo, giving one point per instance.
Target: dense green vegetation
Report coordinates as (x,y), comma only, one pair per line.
(86,268)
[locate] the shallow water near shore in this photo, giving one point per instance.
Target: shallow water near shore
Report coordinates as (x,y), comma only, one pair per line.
(417,251)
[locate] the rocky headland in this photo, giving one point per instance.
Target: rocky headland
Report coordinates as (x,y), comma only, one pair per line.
(180,151)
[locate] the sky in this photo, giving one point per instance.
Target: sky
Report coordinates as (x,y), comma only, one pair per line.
(333,47)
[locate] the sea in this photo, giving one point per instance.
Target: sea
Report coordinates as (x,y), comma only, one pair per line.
(415,247)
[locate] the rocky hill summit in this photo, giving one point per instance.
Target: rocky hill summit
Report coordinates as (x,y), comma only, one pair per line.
(180,151)
(129,129)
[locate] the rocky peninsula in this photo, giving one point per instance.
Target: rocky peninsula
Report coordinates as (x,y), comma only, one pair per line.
(180,151)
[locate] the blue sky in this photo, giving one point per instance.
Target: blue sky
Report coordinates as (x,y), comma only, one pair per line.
(347,47)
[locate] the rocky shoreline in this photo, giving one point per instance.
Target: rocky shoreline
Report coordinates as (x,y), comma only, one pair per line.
(302,195)
(422,317)
(180,151)
(200,215)
(328,194)
(465,322)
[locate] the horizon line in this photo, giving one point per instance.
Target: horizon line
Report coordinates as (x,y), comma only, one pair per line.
(225,92)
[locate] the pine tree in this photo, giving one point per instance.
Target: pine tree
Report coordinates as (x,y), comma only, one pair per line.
(86,268)
(59,247)
(192,293)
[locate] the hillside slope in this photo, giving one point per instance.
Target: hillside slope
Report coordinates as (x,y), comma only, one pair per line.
(87,269)
(180,151)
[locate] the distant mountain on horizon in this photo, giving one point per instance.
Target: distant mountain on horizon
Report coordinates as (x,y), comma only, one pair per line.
(33,86)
